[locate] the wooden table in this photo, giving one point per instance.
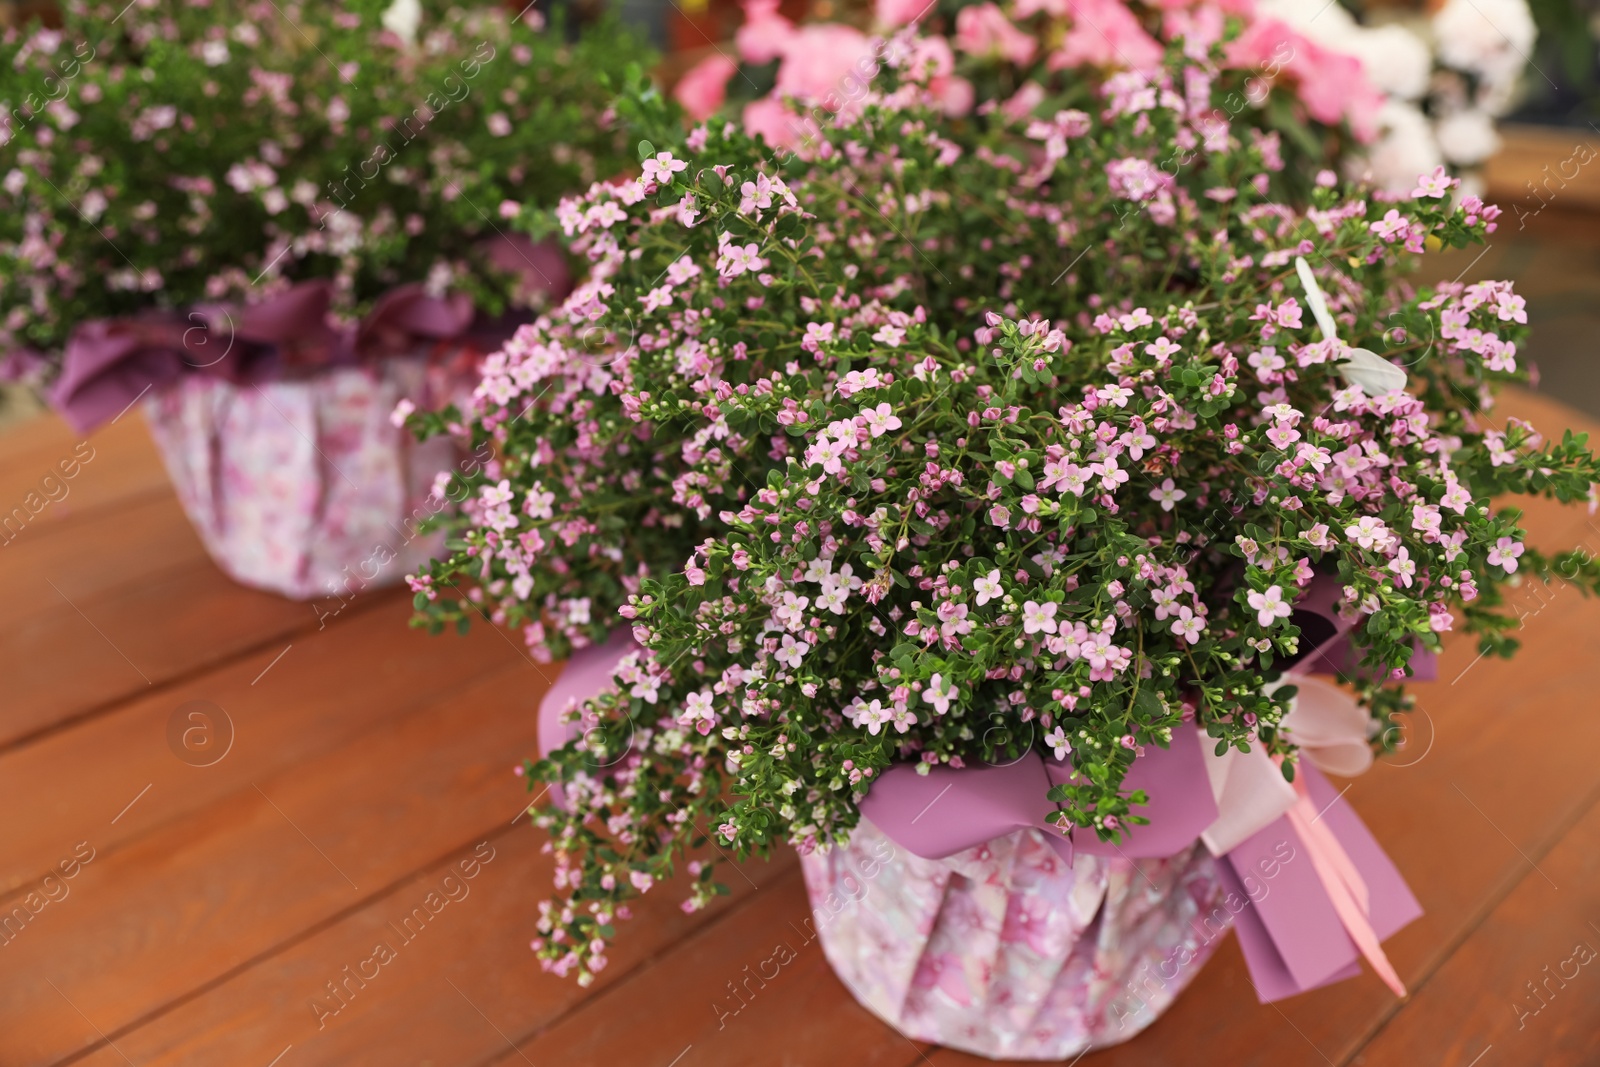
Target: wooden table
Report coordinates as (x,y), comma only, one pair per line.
(227,914)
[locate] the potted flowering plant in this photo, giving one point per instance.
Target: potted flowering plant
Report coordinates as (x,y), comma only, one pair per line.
(271,222)
(984,468)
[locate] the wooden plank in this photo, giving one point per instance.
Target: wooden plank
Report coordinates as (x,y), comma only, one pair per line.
(80,655)
(1525,987)
(283,712)
(124,464)
(200,895)
(151,535)
(683,1007)
(451,995)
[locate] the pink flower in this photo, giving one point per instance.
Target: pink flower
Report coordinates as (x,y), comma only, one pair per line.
(1038,618)
(702,90)
(881,420)
(895,13)
(764,35)
(1438,184)
(1167,494)
(1105,33)
(1188,625)
(932,59)
(1505,553)
(985,30)
(661,168)
(1403,567)
(1392,227)
(819,59)
(1269,606)
(1020,106)
(940,693)
(1332,86)
(698,712)
(769,118)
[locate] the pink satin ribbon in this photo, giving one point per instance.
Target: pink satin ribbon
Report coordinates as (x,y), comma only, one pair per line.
(1343,883)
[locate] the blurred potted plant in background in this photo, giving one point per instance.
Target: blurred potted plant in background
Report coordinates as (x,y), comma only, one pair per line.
(1385,102)
(272,222)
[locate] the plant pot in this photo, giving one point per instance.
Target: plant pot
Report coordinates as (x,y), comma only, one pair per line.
(1007,951)
(305,487)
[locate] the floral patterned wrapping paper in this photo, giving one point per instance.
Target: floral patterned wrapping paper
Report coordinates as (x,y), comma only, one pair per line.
(305,487)
(1007,951)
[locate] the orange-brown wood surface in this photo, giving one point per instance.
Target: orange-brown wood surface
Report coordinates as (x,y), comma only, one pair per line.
(230,905)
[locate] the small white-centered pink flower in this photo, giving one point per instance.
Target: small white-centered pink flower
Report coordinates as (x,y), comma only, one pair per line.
(881,419)
(662,167)
(1039,618)
(1167,494)
(940,693)
(1269,606)
(1190,626)
(1504,554)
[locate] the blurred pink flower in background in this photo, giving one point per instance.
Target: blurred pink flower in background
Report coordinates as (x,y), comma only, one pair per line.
(1332,86)
(764,34)
(702,90)
(934,56)
(895,13)
(1104,33)
(985,30)
(770,119)
(818,59)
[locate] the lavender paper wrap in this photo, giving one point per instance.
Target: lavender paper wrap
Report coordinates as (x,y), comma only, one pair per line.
(303,487)
(587,672)
(946,810)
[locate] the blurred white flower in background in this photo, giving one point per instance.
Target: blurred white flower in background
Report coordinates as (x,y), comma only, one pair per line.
(1490,38)
(402,18)
(1396,60)
(1467,137)
(1405,148)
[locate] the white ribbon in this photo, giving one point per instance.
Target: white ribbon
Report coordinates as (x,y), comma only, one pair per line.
(1331,730)
(1365,370)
